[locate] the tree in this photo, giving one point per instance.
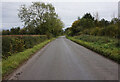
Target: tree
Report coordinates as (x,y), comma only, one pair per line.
(78,18)
(39,18)
(5,32)
(96,16)
(68,31)
(88,16)
(23,31)
(14,31)
(114,21)
(75,27)
(96,21)
(86,23)
(103,23)
(82,25)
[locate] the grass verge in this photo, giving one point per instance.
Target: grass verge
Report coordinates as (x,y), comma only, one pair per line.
(107,49)
(17,59)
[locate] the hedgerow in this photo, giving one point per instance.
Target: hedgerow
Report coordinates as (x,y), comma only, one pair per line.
(102,45)
(17,59)
(14,44)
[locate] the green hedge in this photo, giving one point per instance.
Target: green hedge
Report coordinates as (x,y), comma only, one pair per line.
(14,61)
(14,44)
(102,45)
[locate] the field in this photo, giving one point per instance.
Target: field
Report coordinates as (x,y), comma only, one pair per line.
(103,45)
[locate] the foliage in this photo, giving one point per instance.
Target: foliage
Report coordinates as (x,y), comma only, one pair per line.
(14,44)
(15,60)
(40,18)
(87,25)
(82,24)
(103,45)
(101,36)
(111,30)
(88,16)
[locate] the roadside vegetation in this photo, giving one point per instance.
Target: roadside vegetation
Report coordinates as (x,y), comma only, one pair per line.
(12,62)
(15,44)
(101,36)
(41,25)
(39,19)
(102,45)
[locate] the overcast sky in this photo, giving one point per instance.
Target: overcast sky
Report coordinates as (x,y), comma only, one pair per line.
(68,11)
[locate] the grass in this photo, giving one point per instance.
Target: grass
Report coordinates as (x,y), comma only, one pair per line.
(14,61)
(102,45)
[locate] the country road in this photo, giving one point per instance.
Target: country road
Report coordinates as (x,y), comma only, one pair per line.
(63,59)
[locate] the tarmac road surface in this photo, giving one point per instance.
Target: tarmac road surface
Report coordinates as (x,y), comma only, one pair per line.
(63,59)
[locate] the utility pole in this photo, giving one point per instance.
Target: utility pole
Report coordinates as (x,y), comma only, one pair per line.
(118,37)
(118,23)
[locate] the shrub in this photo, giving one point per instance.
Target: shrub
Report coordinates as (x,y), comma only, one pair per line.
(103,45)
(14,44)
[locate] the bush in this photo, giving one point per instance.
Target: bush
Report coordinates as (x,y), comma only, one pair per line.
(14,44)
(102,45)
(17,59)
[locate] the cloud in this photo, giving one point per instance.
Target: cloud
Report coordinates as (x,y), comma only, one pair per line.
(68,11)
(10,12)
(0,12)
(60,0)
(10,25)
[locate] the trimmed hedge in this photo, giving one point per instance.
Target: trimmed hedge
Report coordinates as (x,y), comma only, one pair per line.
(14,44)
(14,61)
(102,45)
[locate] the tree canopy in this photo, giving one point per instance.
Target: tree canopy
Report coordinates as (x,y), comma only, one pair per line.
(90,26)
(39,18)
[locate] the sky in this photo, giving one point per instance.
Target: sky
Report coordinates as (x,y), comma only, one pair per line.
(68,10)
(119,10)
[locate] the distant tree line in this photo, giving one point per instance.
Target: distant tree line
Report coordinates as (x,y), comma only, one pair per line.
(92,26)
(89,25)
(38,18)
